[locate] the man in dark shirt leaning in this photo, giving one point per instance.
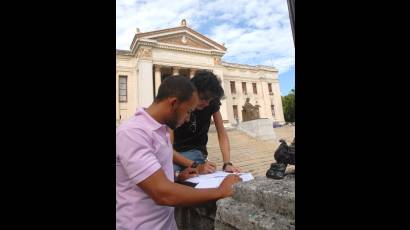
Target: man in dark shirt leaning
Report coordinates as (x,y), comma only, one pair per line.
(190,139)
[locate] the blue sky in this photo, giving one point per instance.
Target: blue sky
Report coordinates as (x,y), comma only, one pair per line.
(255,32)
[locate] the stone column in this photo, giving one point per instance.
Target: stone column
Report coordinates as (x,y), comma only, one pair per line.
(145,88)
(278,102)
(191,73)
(229,101)
(145,83)
(157,78)
(266,100)
(175,70)
(218,71)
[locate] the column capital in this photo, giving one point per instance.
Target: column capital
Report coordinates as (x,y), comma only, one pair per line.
(192,73)
(175,70)
(157,78)
(157,68)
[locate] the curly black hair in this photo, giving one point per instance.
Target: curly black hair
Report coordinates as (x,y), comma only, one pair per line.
(208,84)
(175,86)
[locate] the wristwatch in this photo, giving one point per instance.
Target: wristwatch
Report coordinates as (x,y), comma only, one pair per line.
(195,164)
(176,174)
(226,164)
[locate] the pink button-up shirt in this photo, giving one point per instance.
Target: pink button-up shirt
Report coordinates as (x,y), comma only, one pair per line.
(143,147)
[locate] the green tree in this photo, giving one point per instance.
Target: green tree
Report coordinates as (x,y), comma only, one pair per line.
(288,103)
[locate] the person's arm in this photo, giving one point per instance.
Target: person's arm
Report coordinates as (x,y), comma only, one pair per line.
(181,160)
(164,192)
(135,153)
(223,142)
(207,167)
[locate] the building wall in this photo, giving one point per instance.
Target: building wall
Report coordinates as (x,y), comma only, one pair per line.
(126,66)
(262,98)
(182,59)
(139,70)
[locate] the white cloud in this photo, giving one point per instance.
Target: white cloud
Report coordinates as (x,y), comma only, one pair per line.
(255,32)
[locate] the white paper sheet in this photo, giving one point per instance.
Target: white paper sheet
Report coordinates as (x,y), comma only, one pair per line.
(213,180)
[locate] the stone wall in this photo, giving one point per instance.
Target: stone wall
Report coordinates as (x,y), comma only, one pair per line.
(258,204)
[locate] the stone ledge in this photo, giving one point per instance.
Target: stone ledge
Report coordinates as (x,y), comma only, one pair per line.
(262,203)
(232,214)
(277,196)
(201,217)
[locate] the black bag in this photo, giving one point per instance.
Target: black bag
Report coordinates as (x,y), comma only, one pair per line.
(284,155)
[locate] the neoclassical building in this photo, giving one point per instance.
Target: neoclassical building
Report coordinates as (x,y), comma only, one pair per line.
(181,51)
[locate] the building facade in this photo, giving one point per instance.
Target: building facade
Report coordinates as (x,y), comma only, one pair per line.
(181,51)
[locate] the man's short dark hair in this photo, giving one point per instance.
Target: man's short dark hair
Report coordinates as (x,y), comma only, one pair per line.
(175,86)
(208,83)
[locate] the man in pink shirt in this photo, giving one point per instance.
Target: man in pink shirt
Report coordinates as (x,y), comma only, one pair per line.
(146,192)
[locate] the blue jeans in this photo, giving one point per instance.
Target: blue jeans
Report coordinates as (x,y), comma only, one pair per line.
(194,155)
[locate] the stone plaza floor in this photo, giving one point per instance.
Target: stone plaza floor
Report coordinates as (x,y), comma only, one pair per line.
(249,154)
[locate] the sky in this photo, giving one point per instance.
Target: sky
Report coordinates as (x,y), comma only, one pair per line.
(256,32)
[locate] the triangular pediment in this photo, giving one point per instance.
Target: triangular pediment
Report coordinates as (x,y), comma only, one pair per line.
(184,39)
(182,36)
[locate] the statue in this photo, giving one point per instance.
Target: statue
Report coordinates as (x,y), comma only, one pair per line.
(183,22)
(217,61)
(249,111)
(284,155)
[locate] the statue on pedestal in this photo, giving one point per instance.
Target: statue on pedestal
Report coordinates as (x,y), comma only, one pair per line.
(249,111)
